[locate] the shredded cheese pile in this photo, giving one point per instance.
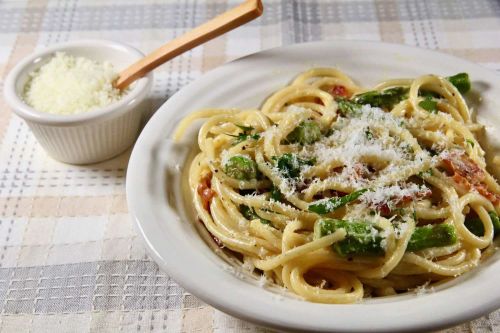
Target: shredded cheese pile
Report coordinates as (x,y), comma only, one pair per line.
(70,85)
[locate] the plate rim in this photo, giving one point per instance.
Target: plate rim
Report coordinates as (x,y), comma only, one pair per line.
(139,215)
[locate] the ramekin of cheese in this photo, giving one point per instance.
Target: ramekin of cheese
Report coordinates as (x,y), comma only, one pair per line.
(65,95)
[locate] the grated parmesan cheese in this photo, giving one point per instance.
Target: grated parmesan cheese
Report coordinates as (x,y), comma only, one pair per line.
(70,85)
(224,157)
(400,230)
(248,265)
(424,289)
(350,142)
(262,281)
(269,133)
(385,194)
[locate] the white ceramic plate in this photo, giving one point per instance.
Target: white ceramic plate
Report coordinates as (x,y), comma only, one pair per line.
(170,230)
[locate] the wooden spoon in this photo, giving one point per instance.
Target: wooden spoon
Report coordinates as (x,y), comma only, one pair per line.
(221,24)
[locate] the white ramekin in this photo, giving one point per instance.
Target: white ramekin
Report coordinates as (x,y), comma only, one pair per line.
(87,137)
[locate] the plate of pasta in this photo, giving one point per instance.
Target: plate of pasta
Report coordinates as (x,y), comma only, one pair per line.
(309,186)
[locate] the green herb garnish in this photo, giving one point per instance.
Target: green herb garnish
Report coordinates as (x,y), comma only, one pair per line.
(247,134)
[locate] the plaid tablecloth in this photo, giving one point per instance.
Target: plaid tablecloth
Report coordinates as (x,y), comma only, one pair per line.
(70,259)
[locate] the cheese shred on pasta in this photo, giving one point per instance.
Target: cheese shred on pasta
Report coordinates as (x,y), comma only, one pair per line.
(339,193)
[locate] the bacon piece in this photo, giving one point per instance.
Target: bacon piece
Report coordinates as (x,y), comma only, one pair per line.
(468,175)
(462,183)
(360,170)
(384,209)
(422,194)
(339,91)
(205,191)
(493,197)
(464,166)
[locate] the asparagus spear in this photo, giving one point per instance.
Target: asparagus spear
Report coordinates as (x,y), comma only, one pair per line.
(384,99)
(363,238)
(241,167)
(389,97)
(306,132)
(432,236)
(347,107)
(329,205)
(461,82)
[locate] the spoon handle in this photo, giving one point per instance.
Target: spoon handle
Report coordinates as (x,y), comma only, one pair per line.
(219,25)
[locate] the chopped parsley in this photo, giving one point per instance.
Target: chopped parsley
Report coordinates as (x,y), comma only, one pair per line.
(245,135)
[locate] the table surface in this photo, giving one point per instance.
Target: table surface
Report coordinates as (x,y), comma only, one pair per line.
(70,259)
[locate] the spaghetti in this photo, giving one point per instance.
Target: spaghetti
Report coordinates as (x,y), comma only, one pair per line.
(338,193)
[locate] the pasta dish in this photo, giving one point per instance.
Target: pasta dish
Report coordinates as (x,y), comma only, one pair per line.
(339,193)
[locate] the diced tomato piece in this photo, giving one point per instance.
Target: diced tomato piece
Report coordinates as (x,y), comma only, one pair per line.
(205,191)
(339,91)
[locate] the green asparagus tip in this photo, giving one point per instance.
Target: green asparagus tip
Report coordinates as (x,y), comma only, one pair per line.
(461,81)
(241,167)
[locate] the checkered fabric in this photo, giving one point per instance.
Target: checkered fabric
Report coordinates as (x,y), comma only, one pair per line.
(70,259)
